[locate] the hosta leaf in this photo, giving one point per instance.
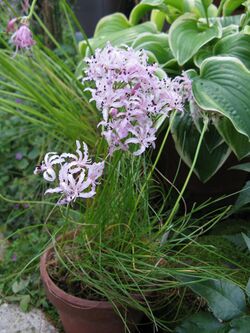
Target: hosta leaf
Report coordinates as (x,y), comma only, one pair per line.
(238,142)
(244,167)
(111,23)
(126,36)
(247,240)
(203,54)
(240,325)
(200,322)
(236,45)
(230,30)
(155,43)
(248,290)
(186,137)
(225,21)
(198,7)
(158,18)
(223,86)
(143,7)
(212,138)
(187,36)
(225,299)
(230,6)
(243,198)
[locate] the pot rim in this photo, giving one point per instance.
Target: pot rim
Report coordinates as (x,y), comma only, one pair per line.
(61,294)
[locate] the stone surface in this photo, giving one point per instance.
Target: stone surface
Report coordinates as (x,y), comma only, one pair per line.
(13,320)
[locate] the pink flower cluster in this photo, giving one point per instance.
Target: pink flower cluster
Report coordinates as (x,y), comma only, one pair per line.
(76,174)
(130,95)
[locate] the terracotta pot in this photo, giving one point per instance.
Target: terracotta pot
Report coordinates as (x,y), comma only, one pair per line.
(85,316)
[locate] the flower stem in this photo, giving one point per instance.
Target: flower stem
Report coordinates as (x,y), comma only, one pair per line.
(152,169)
(175,208)
(32,8)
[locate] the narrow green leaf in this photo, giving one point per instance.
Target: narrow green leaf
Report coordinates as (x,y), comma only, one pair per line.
(223,86)
(187,36)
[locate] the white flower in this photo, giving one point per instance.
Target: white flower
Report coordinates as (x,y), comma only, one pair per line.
(77,175)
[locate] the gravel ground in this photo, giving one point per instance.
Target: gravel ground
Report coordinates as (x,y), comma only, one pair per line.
(13,320)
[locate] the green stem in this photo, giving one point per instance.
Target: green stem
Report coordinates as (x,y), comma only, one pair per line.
(32,8)
(152,169)
(175,208)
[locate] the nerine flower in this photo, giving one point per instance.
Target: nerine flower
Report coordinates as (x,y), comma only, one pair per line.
(76,175)
(11,25)
(130,95)
(22,38)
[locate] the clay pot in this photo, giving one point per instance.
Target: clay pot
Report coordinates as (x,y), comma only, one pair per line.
(85,316)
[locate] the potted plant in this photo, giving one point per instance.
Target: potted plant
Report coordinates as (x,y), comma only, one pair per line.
(211,45)
(107,265)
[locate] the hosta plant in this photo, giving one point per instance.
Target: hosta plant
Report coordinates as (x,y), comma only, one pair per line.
(210,43)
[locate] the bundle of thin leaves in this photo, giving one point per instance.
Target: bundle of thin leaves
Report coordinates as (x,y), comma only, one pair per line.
(119,249)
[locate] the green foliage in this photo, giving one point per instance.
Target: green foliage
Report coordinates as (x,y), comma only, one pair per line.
(186,137)
(237,142)
(225,299)
(229,6)
(187,36)
(200,322)
(223,87)
(216,49)
(156,45)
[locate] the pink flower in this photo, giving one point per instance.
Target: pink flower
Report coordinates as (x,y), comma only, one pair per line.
(22,38)
(130,95)
(11,25)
